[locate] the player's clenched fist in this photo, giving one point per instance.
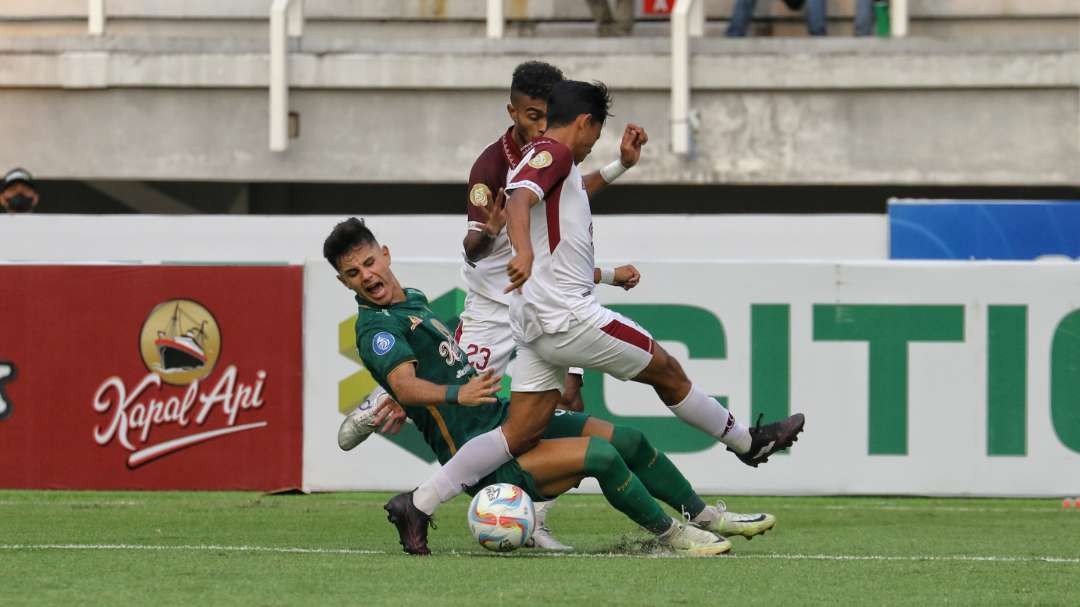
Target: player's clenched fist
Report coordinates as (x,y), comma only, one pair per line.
(627,277)
(519,270)
(480,390)
(630,146)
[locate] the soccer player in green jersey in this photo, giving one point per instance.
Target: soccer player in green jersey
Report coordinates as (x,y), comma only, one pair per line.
(415,357)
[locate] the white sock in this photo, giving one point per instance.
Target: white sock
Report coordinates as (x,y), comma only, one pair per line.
(703,412)
(475,459)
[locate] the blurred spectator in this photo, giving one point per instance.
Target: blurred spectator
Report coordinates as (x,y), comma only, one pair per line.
(621,24)
(17,193)
(815,16)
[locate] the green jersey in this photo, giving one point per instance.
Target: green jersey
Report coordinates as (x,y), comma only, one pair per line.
(409,333)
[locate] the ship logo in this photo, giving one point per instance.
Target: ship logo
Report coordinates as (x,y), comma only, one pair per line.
(180,341)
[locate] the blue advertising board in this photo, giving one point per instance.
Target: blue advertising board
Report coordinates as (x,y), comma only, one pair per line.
(983,229)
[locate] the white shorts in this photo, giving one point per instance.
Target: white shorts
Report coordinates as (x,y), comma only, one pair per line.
(484,333)
(608,342)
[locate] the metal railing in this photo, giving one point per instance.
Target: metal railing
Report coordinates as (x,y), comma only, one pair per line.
(688,19)
(95,17)
(495,19)
(286,20)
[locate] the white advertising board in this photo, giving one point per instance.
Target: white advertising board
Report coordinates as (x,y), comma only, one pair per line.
(290,238)
(915,377)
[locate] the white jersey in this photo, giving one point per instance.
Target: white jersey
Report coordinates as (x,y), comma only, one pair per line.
(561,286)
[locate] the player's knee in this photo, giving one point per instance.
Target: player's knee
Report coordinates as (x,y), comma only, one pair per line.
(601,456)
(627,441)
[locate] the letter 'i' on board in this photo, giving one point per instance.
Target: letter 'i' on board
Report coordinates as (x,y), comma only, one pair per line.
(770,361)
(1006,380)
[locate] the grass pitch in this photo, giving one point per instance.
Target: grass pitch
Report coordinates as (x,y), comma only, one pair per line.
(114,548)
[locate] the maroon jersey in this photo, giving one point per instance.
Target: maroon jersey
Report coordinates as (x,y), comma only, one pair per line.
(488,173)
(487,277)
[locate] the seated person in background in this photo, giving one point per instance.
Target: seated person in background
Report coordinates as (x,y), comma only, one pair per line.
(17,192)
(816,17)
(606,25)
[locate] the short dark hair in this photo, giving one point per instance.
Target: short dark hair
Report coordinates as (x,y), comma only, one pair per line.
(572,98)
(345,237)
(535,79)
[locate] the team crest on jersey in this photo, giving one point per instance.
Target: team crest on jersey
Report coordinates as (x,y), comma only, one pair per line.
(415,322)
(382,342)
(540,160)
(479,195)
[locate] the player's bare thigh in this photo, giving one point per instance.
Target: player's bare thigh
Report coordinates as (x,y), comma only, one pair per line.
(557,465)
(527,419)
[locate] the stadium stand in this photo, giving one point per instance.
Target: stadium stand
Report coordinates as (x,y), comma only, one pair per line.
(933,110)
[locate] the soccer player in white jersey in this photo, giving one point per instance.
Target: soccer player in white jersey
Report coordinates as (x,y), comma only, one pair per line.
(556,319)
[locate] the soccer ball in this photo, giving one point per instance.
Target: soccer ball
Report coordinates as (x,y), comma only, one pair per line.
(501,517)
(358,425)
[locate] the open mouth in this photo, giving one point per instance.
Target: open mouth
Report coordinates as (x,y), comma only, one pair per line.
(375,290)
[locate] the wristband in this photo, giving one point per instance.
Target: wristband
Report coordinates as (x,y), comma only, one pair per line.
(452,394)
(607,276)
(612,171)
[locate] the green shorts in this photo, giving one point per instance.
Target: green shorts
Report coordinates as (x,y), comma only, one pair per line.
(564,424)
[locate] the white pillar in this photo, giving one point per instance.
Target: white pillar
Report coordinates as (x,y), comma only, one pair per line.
(279,77)
(95,21)
(898,18)
(496,21)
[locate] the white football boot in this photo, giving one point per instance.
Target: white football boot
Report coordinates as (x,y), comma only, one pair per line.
(541,537)
(688,540)
(721,521)
(356,427)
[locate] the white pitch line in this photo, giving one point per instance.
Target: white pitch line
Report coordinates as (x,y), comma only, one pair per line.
(350,551)
(77,503)
(898,508)
(874,557)
(193,547)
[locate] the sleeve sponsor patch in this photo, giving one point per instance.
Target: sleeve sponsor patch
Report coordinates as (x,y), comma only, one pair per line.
(479,194)
(540,160)
(382,342)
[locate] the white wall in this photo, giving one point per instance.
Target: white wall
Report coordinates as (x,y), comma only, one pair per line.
(228,238)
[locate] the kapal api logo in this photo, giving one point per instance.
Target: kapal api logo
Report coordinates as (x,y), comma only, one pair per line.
(180,344)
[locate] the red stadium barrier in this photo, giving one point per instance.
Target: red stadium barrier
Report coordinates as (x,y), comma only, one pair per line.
(150,377)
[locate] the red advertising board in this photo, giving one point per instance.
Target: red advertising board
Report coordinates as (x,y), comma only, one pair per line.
(151,377)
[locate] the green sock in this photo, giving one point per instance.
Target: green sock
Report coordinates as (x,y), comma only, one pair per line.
(657,473)
(622,489)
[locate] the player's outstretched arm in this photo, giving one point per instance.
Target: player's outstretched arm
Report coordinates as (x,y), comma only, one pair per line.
(413,391)
(480,236)
(517,227)
(629,154)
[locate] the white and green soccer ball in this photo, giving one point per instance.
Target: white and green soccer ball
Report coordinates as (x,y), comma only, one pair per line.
(502,517)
